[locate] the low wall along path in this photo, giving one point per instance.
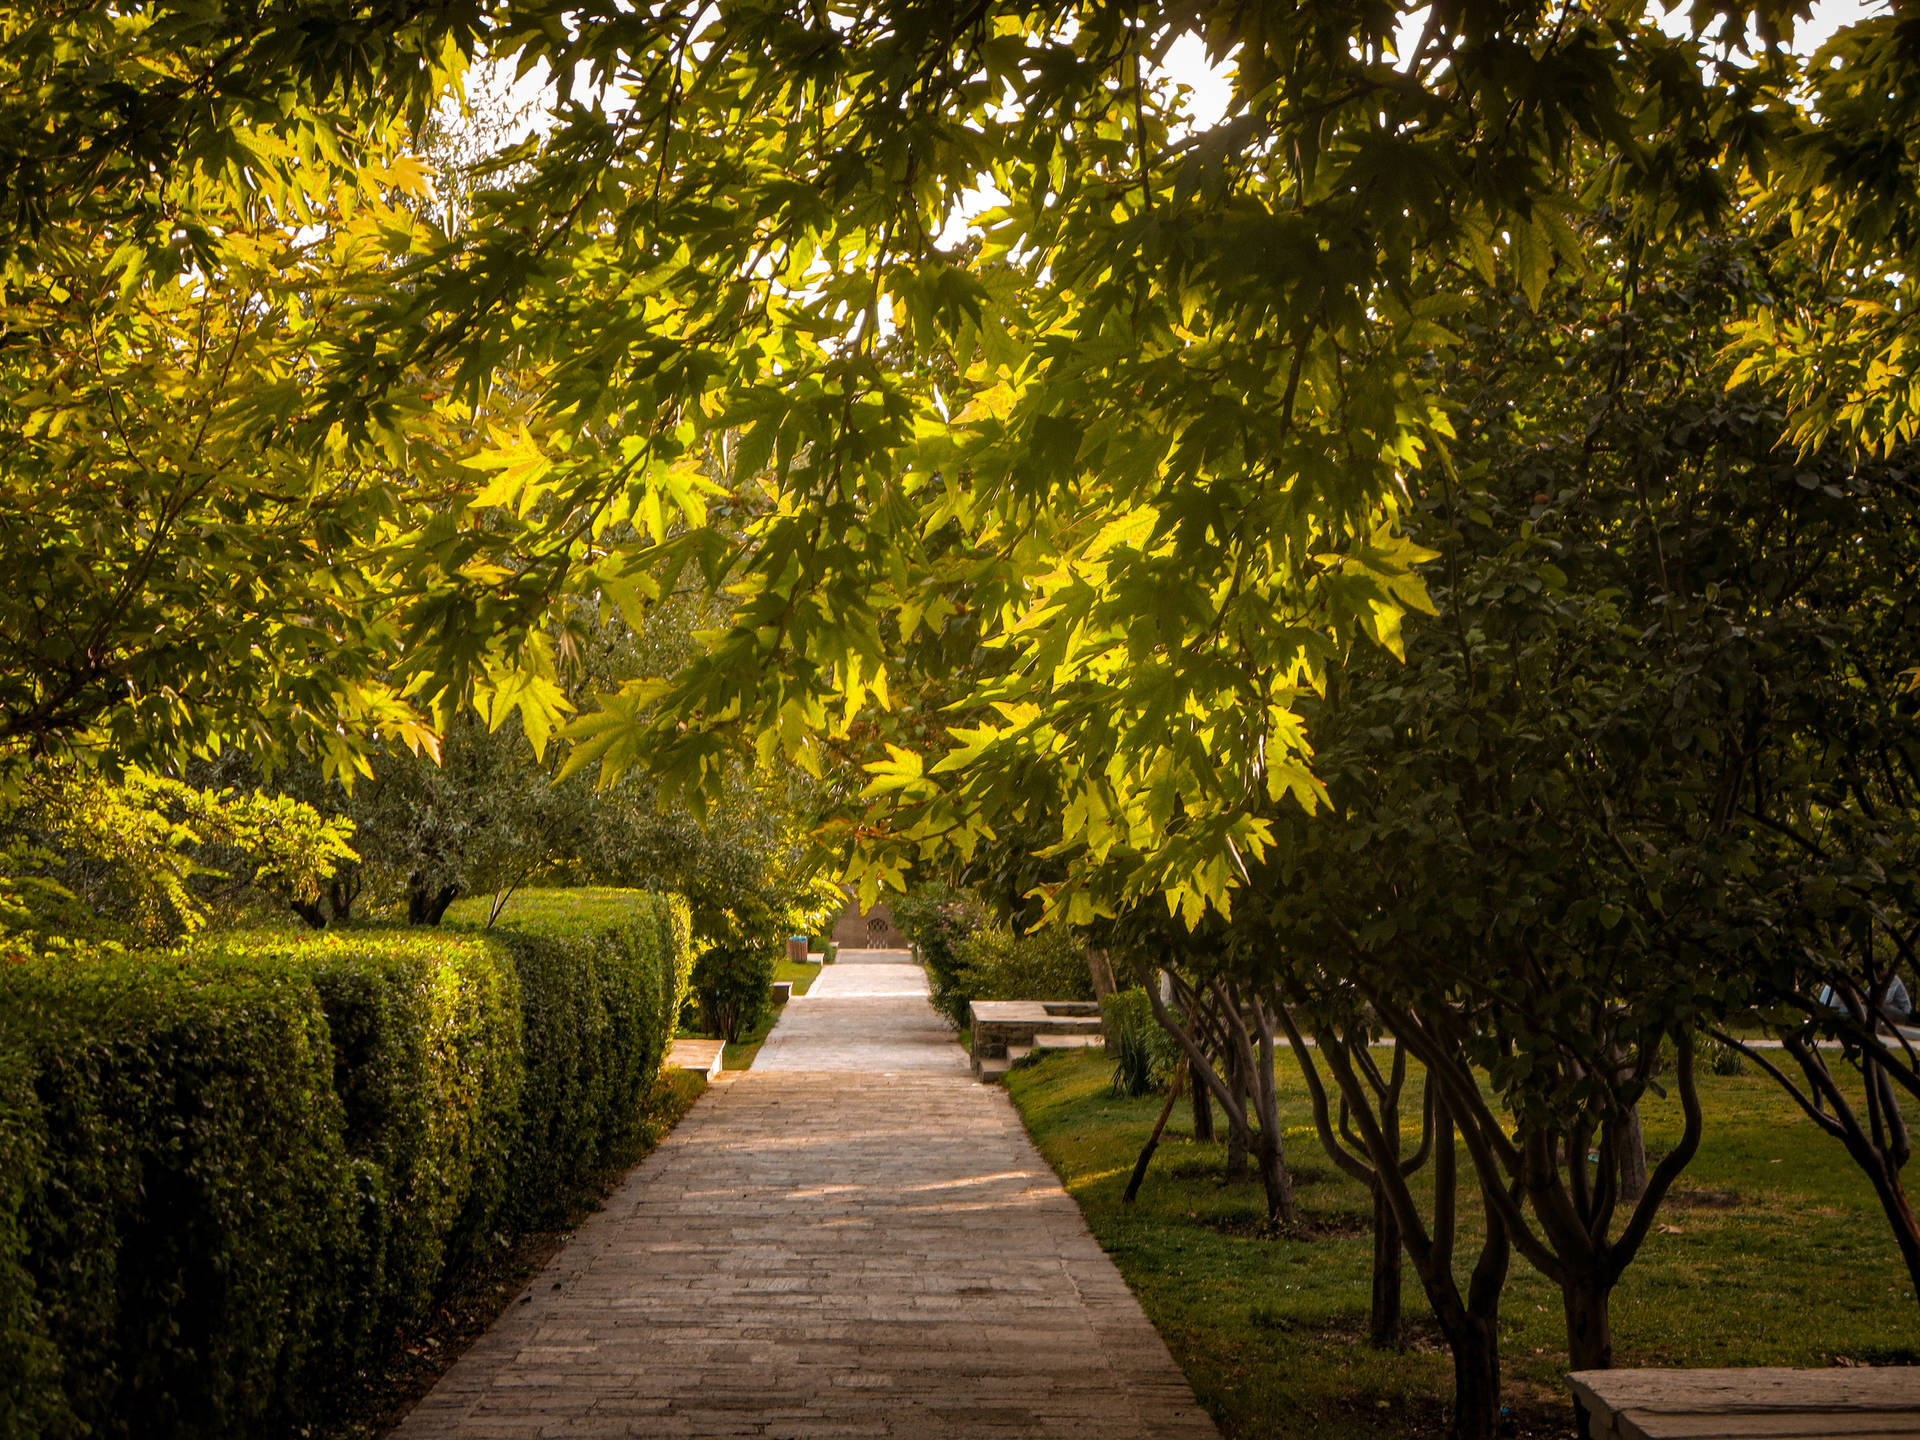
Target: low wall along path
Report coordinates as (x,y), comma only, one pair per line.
(853,1238)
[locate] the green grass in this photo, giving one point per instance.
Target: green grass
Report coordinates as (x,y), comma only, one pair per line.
(1775,1253)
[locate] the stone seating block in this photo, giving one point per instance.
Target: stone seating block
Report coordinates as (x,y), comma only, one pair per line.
(1738,1404)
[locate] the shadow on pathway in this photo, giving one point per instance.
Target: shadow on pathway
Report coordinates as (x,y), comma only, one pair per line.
(853,1238)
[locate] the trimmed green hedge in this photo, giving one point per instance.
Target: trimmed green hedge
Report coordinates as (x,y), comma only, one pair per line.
(228,1178)
(599,1007)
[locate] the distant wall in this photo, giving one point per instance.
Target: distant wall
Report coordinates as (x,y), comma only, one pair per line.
(857,929)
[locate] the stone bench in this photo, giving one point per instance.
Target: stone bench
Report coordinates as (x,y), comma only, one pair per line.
(701,1055)
(1008,1030)
(1856,1401)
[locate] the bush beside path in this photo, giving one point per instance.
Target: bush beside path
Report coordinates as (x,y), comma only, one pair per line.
(239,1175)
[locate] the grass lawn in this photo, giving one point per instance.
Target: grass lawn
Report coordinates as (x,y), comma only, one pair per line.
(1773,1251)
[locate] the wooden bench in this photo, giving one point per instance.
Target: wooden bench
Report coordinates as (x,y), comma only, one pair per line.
(1756,1404)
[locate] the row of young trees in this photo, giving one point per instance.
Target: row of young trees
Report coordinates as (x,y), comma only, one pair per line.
(1643,779)
(1641,783)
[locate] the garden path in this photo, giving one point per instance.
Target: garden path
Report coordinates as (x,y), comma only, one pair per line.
(853,1238)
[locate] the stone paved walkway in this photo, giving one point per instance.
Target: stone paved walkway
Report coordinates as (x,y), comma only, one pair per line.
(851,1239)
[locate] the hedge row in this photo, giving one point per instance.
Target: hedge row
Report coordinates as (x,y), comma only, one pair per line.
(228,1177)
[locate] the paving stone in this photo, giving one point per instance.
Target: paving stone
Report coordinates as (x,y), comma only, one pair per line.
(854,1238)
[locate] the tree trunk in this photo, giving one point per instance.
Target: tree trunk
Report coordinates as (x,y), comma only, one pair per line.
(1587,1303)
(1100,969)
(1274,1174)
(1275,1178)
(1899,1212)
(1238,1138)
(342,891)
(312,912)
(425,907)
(1383,1316)
(1202,1104)
(1153,1143)
(1633,1159)
(1476,1377)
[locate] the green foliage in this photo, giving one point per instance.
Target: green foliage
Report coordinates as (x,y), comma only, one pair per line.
(998,964)
(1723,1059)
(136,860)
(1129,467)
(194,1201)
(1144,1055)
(234,1171)
(1132,1064)
(970,956)
(601,988)
(195,561)
(937,921)
(732,987)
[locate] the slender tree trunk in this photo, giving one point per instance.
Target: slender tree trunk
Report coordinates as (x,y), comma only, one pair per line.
(1100,970)
(1238,1137)
(1275,1178)
(1633,1159)
(1899,1210)
(1202,1104)
(1153,1143)
(1383,1316)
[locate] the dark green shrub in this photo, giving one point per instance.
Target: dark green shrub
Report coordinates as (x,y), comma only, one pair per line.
(31,1400)
(1132,1065)
(1144,1055)
(970,956)
(601,988)
(188,1197)
(937,921)
(426,1031)
(732,986)
(227,1176)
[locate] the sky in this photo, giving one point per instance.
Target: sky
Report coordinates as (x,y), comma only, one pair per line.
(1187,59)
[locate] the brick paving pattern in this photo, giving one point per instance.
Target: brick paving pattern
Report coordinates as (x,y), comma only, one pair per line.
(854,1238)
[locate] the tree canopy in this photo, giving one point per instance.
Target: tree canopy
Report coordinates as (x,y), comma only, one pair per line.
(1142,434)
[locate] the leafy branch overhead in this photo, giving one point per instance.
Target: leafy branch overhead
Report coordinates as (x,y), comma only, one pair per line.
(908,334)
(885,317)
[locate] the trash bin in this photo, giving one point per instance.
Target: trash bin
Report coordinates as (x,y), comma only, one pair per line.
(797,948)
